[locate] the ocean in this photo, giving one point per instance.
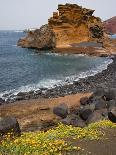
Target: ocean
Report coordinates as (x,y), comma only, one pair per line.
(23,70)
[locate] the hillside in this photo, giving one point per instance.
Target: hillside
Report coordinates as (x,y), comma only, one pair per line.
(110,25)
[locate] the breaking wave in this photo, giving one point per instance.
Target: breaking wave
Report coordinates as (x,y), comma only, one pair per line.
(51,83)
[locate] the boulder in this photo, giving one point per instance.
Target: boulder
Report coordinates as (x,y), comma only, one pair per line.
(78,122)
(85,113)
(94,117)
(111,103)
(112,115)
(61,110)
(9,124)
(100,104)
(73,120)
(84,101)
(99,92)
(111,94)
(103,112)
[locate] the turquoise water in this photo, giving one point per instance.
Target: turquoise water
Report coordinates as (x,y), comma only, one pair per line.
(24,69)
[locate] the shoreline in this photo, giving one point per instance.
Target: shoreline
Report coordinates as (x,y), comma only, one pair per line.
(88,84)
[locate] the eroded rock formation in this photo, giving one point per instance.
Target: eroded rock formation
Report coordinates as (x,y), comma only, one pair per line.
(74,24)
(70,24)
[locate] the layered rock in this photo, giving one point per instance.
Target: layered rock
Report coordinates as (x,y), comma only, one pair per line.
(110,25)
(70,24)
(74,24)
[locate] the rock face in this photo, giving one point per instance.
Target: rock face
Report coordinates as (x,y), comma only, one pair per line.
(99,106)
(74,24)
(110,25)
(70,24)
(43,38)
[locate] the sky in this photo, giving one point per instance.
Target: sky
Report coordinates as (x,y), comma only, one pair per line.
(23,14)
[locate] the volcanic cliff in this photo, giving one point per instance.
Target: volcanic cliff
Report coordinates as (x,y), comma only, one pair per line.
(110,25)
(69,25)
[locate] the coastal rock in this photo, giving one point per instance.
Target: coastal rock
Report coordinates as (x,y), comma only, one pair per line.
(61,110)
(43,38)
(112,115)
(69,25)
(94,117)
(85,113)
(9,124)
(74,120)
(100,104)
(84,100)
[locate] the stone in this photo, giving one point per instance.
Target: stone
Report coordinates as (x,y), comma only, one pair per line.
(61,110)
(84,101)
(9,124)
(44,107)
(103,112)
(94,117)
(112,115)
(73,120)
(85,112)
(100,104)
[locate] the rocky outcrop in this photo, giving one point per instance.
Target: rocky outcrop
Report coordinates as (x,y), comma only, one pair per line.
(43,38)
(74,24)
(110,25)
(70,24)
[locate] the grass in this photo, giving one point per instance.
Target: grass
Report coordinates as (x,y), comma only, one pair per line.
(52,142)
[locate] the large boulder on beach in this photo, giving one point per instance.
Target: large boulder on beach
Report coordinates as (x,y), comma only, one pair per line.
(9,125)
(85,113)
(94,117)
(61,110)
(112,114)
(100,104)
(74,120)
